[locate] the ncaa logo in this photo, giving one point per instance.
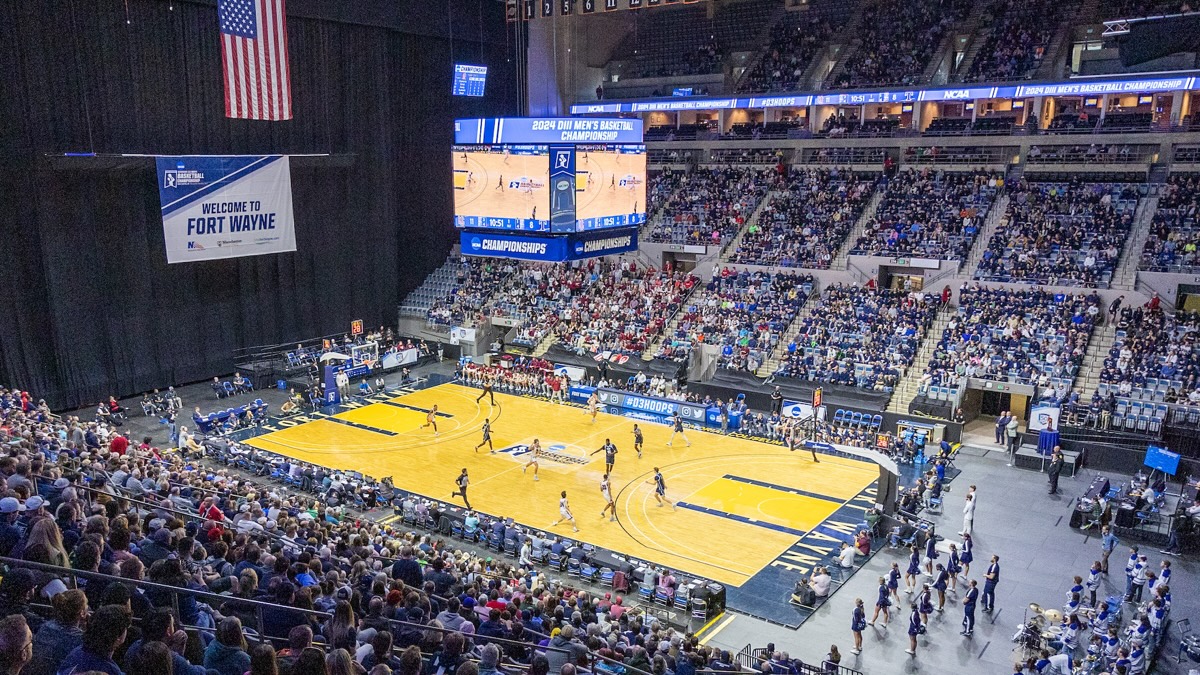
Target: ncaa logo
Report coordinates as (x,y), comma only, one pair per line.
(793,410)
(579,247)
(476,243)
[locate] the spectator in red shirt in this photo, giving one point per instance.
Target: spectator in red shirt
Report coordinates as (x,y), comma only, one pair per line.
(118,445)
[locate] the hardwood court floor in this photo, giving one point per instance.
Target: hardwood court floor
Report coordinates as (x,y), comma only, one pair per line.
(741,503)
(598,178)
(483,185)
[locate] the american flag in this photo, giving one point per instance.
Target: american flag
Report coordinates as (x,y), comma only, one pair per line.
(254,58)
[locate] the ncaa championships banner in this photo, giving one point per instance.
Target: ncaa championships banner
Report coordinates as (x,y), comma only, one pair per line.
(225,207)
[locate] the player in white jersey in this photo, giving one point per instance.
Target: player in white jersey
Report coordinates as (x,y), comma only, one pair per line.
(564,512)
(593,405)
(609,504)
(431,420)
(535,451)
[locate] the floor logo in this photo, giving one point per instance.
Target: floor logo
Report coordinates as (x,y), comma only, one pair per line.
(554,452)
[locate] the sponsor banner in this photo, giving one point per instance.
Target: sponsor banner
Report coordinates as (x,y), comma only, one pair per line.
(574,372)
(225,207)
(663,407)
(579,394)
(508,130)
(1043,416)
(1081,87)
(549,249)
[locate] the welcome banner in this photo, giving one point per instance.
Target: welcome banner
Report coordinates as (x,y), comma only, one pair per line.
(225,207)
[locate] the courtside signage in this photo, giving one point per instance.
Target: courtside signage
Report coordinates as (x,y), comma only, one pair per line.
(548,249)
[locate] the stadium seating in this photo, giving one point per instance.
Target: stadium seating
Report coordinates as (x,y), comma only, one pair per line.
(929,214)
(1023,336)
(1174,232)
(1152,365)
(475,282)
(744,313)
(896,40)
(1061,234)
(535,295)
(1020,33)
(794,42)
(804,224)
(859,337)
(624,311)
(711,206)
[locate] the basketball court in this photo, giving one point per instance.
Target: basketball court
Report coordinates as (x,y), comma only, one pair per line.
(741,504)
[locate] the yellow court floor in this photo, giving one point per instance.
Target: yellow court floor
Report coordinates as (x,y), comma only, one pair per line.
(741,503)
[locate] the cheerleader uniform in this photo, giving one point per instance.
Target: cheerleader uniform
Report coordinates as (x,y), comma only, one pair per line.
(883,602)
(931,554)
(966,557)
(893,582)
(955,564)
(925,603)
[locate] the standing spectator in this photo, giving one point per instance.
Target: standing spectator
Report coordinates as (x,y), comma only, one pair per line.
(991,578)
(1055,469)
(968,601)
(1001,425)
(968,514)
(776,402)
(1108,543)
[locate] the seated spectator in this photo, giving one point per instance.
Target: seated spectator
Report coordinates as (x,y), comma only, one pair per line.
(795,40)
(710,206)
(226,654)
(896,40)
(1174,231)
(105,632)
(1021,32)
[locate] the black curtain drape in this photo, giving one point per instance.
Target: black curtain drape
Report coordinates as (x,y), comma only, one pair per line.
(88,305)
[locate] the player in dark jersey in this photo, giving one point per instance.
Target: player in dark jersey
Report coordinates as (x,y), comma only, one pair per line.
(660,489)
(637,440)
(487,436)
(610,455)
(677,421)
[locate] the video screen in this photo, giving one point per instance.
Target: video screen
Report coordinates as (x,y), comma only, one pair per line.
(502,187)
(610,185)
(469,80)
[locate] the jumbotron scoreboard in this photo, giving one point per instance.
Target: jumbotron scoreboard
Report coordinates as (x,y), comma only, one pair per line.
(549,188)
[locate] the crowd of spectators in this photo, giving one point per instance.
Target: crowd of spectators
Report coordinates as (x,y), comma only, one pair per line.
(1061,234)
(1174,232)
(1153,347)
(475,283)
(896,40)
(625,309)
(859,337)
(744,313)
(536,293)
(711,205)
(795,40)
(1023,336)
(253,577)
(804,224)
(930,214)
(1020,33)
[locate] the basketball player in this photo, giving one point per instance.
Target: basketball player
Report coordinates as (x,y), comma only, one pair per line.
(487,391)
(507,154)
(609,504)
(487,436)
(533,216)
(500,183)
(535,451)
(590,180)
(470,178)
(462,482)
(612,185)
(660,489)
(593,403)
(610,455)
(431,419)
(678,429)
(564,512)
(637,440)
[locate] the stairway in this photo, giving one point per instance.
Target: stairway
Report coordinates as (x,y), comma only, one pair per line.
(546,343)
(843,254)
(847,50)
(732,244)
(653,218)
(972,28)
(1059,49)
(435,287)
(997,216)
(1125,275)
(906,390)
(777,356)
(1088,377)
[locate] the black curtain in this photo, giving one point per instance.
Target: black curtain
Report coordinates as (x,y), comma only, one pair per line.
(88,305)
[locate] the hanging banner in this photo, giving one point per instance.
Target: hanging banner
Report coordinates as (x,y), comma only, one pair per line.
(225,207)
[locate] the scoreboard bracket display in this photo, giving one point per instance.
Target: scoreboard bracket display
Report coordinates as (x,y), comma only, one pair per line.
(557,176)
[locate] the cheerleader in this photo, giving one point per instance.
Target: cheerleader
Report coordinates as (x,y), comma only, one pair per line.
(939,584)
(953,567)
(914,569)
(915,627)
(967,555)
(882,604)
(925,604)
(931,555)
(1093,582)
(857,623)
(894,581)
